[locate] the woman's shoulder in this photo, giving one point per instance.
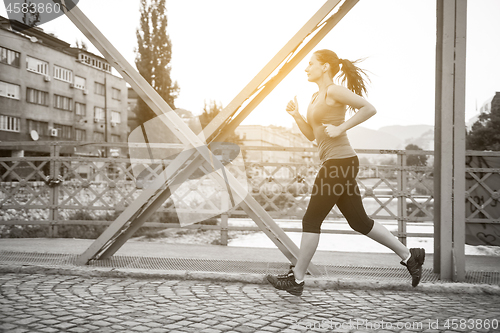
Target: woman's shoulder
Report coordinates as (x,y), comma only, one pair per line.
(334,95)
(336,90)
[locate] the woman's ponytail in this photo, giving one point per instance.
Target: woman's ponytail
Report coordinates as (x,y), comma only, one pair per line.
(352,76)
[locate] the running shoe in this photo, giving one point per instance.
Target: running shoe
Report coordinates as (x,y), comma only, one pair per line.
(290,270)
(414,265)
(286,282)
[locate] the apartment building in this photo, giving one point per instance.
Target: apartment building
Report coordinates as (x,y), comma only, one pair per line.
(50,91)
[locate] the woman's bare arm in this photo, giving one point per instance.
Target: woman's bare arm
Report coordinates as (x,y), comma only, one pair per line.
(345,96)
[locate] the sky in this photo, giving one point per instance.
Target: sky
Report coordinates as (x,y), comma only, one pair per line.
(218,46)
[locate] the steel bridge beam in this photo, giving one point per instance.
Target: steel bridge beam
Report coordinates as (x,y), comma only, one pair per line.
(152,197)
(449,141)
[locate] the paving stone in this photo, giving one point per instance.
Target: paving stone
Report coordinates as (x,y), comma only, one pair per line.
(101,323)
(91,328)
(172,326)
(140,328)
(222,327)
(199,326)
(78,330)
(210,330)
(64,326)
(26,321)
(48,330)
(18,330)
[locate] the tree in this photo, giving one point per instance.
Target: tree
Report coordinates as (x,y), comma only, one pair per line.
(31,16)
(81,45)
(485,132)
(416,160)
(153,55)
(210,111)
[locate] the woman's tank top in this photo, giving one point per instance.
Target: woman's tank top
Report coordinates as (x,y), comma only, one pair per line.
(319,113)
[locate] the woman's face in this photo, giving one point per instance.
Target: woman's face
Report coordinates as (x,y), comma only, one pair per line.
(314,70)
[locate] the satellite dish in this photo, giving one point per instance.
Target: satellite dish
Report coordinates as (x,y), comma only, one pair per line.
(34,135)
(33,39)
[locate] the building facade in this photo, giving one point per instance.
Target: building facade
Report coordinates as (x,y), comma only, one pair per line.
(274,136)
(50,91)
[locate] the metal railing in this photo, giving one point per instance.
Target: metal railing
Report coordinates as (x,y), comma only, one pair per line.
(63,189)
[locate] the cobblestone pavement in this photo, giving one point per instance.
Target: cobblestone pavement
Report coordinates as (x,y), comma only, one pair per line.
(62,303)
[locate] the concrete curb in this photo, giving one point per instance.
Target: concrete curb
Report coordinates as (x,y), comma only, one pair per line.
(325,284)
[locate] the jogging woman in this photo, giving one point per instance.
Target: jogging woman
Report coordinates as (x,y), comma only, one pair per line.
(336,183)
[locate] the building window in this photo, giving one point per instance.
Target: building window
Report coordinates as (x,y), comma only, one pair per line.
(80,82)
(10,57)
(98,137)
(9,90)
(100,89)
(37,96)
(41,127)
(63,103)
(116,93)
(37,66)
(98,113)
(116,117)
(91,61)
(115,138)
(64,131)
(63,74)
(80,109)
(9,124)
(80,135)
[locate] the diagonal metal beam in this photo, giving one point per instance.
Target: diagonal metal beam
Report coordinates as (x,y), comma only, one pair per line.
(285,70)
(177,126)
(251,88)
(328,25)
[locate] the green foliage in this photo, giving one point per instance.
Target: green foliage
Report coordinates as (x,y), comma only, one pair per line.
(62,231)
(485,133)
(31,17)
(210,111)
(153,55)
(81,45)
(416,160)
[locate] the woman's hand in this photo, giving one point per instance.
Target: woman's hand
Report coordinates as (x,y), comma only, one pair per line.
(332,131)
(293,107)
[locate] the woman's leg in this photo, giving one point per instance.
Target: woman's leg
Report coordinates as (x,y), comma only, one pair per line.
(354,212)
(328,187)
(323,198)
(380,234)
(352,208)
(308,246)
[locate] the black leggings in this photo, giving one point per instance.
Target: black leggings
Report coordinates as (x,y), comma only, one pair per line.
(336,184)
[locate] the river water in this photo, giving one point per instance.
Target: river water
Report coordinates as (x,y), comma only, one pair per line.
(350,243)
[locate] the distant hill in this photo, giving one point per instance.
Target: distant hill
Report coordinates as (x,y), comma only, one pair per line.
(425,141)
(392,137)
(407,133)
(365,138)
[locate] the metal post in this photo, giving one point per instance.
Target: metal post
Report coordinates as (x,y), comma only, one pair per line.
(52,190)
(459,142)
(437,138)
(450,139)
(106,148)
(224,219)
(55,166)
(402,173)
